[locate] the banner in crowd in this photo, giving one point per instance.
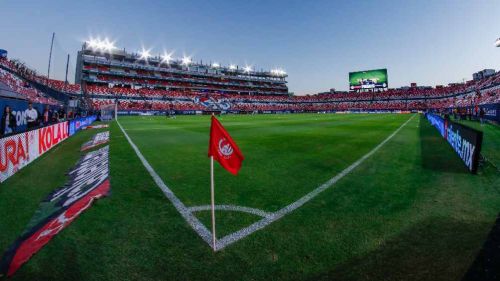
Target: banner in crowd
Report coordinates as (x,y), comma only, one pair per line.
(80,123)
(98,139)
(464,140)
(88,181)
(19,150)
(491,111)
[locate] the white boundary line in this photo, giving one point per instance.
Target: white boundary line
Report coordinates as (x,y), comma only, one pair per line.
(233,208)
(193,221)
(233,237)
(268,218)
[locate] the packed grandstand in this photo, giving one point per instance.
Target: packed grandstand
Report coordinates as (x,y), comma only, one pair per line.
(139,83)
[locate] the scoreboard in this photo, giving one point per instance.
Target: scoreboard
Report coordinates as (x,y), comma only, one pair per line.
(368,79)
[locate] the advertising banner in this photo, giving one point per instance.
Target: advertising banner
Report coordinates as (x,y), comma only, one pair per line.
(491,111)
(19,150)
(464,140)
(89,181)
(80,123)
(98,139)
(100,126)
(16,152)
(50,136)
(19,110)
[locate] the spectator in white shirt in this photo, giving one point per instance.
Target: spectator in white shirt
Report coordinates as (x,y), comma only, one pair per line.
(31,116)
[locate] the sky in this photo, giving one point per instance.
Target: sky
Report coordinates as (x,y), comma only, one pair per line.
(318,43)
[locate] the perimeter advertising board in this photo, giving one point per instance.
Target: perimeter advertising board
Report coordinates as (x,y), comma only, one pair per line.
(18,108)
(80,123)
(19,150)
(465,141)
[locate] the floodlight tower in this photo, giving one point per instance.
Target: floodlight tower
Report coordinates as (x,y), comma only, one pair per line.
(50,54)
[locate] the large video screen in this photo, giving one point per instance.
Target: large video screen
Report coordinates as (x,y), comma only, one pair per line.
(369,79)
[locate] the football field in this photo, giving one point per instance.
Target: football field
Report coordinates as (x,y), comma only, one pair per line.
(319,197)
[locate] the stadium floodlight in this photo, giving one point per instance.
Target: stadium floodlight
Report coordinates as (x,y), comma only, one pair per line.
(278,72)
(247,68)
(145,54)
(497,43)
(93,43)
(107,45)
(232,67)
(96,44)
(215,65)
(186,60)
(101,45)
(166,57)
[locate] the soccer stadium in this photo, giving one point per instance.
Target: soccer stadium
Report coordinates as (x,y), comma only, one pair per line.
(120,162)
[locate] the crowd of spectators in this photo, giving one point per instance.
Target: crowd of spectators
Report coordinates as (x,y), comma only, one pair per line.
(21,86)
(154,97)
(193,82)
(466,100)
(22,70)
(160,105)
(411,98)
(408,99)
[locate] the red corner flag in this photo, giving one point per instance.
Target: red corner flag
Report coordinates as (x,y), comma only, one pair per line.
(223,148)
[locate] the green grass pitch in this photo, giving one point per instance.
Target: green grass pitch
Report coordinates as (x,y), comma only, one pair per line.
(410,211)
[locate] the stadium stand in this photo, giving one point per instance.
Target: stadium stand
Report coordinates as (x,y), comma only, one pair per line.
(139,85)
(20,86)
(22,70)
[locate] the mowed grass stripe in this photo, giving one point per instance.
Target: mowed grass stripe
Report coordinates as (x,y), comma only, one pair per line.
(283,161)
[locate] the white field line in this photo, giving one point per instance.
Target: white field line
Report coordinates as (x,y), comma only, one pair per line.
(204,233)
(235,236)
(233,208)
(268,217)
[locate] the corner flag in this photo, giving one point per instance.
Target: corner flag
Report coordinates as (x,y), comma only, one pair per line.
(222,148)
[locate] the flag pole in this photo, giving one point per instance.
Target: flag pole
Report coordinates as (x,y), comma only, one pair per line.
(213,199)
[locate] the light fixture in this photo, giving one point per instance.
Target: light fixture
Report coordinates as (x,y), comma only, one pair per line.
(107,45)
(278,72)
(93,43)
(166,57)
(144,54)
(186,60)
(101,45)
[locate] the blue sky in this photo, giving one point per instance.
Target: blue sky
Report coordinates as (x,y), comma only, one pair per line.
(317,42)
